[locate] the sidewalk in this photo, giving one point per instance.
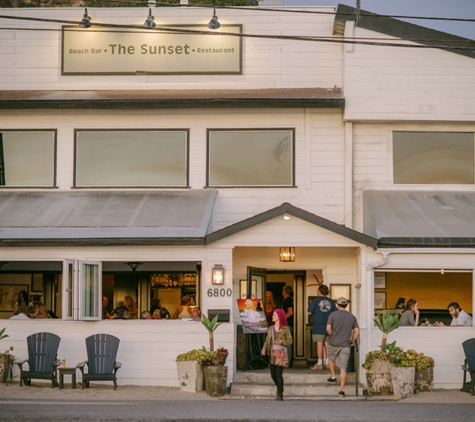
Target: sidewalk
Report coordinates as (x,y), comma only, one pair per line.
(40,391)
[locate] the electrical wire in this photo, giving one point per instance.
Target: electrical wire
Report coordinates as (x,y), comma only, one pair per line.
(163,29)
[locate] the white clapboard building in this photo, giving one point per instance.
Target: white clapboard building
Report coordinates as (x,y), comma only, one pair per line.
(181,160)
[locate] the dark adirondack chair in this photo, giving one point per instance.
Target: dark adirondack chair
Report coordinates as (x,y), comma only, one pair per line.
(42,358)
(101,359)
(469,365)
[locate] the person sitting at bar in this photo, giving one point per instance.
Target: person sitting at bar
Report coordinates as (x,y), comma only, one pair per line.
(156,314)
(145,315)
(41,312)
(132,310)
(121,312)
(21,313)
(410,316)
(195,314)
(184,310)
(460,318)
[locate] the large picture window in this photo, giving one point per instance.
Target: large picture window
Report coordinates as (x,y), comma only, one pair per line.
(155,158)
(250,157)
(27,158)
(433,158)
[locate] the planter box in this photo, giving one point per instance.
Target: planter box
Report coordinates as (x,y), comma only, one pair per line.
(424,380)
(403,381)
(4,368)
(190,376)
(378,378)
(215,380)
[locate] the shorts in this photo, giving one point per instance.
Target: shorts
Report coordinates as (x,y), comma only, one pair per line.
(320,338)
(339,355)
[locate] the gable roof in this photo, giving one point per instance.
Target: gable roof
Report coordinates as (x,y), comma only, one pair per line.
(289,209)
(405,30)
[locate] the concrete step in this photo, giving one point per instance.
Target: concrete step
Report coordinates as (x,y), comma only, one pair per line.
(299,384)
(291,376)
(294,390)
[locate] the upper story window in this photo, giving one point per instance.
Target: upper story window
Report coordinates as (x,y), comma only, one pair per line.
(27,158)
(433,157)
(250,157)
(131,158)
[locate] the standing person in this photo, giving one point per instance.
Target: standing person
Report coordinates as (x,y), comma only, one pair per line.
(321,308)
(460,318)
(410,316)
(288,307)
(343,330)
(280,332)
(105,312)
(22,300)
(270,306)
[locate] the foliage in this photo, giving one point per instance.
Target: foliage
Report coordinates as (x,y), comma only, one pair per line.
(386,323)
(7,352)
(210,326)
(399,358)
(205,357)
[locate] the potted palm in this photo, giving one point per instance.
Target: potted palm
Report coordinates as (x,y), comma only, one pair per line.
(377,364)
(214,369)
(6,359)
(204,365)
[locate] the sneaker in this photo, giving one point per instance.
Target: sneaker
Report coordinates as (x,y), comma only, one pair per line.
(332,380)
(341,394)
(326,367)
(317,367)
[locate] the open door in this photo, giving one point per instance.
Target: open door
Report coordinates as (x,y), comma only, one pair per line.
(256,283)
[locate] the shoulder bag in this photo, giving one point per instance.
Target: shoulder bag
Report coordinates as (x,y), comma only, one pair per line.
(278,353)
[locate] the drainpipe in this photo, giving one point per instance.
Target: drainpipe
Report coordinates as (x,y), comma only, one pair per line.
(369,295)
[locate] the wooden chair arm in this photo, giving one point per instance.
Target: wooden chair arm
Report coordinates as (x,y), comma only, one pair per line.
(21,362)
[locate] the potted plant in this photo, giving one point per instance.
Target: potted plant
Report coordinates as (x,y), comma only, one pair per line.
(190,371)
(6,359)
(215,371)
(204,364)
(377,364)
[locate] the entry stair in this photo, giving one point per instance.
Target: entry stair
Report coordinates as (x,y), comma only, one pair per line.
(299,384)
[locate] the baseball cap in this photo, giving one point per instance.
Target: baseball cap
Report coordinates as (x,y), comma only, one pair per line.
(341,301)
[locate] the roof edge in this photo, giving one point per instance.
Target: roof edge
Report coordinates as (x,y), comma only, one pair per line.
(404,30)
(426,242)
(287,208)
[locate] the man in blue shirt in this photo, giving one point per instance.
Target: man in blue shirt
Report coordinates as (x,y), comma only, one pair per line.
(321,308)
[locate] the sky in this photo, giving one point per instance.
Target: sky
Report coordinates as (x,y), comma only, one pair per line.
(464,9)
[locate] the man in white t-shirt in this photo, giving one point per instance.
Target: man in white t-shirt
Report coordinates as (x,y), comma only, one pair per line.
(460,318)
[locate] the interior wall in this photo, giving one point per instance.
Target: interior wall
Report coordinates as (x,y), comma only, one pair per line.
(432,290)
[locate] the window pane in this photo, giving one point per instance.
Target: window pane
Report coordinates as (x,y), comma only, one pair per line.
(131,158)
(90,292)
(27,159)
(250,158)
(433,158)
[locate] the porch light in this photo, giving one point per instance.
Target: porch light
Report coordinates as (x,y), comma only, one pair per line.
(86,20)
(287,254)
(149,22)
(218,275)
(214,23)
(286,217)
(134,265)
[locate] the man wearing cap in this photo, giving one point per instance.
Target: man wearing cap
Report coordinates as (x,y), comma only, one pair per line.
(343,329)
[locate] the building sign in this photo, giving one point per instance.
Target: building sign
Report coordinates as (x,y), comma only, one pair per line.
(102,51)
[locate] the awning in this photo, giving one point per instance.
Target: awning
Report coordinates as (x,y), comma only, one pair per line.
(105,218)
(174,99)
(420,219)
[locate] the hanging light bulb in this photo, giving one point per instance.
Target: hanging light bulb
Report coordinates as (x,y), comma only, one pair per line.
(149,22)
(86,20)
(214,23)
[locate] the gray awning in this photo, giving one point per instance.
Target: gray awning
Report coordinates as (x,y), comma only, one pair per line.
(412,218)
(172,215)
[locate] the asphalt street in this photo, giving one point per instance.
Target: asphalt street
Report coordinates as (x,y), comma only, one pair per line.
(232,410)
(40,402)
